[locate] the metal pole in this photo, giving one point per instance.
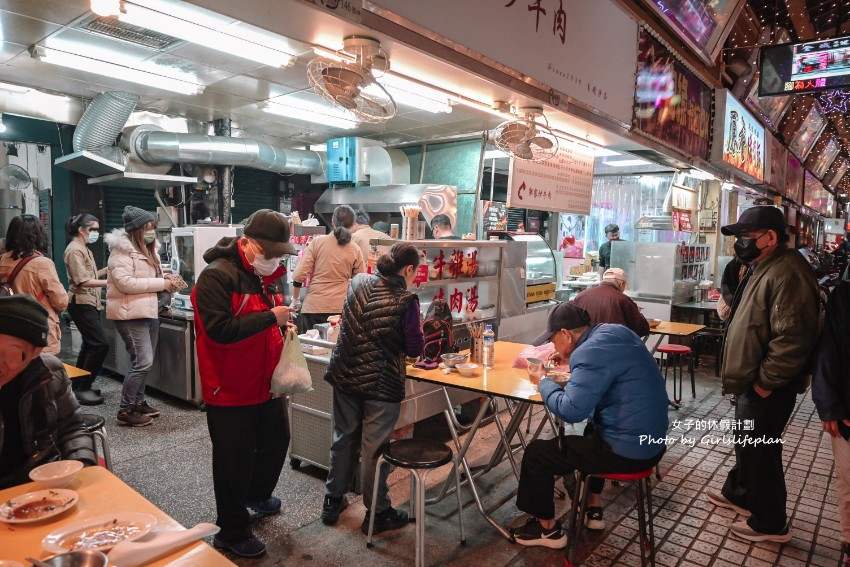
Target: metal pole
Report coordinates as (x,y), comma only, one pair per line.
(222,127)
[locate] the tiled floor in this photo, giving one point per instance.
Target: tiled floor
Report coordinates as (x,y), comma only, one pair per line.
(169,463)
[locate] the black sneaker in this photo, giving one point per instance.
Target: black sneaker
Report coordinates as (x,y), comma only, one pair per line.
(133,418)
(389,519)
(534,534)
(332,508)
(593,518)
(144,409)
(251,547)
(267,507)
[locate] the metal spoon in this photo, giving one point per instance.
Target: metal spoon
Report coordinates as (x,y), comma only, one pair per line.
(38,562)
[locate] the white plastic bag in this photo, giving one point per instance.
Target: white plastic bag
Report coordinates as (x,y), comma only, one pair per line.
(291,375)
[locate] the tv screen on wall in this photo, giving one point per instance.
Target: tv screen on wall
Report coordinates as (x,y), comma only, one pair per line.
(805,67)
(702,24)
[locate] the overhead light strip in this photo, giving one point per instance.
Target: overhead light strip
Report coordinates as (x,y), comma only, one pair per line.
(307,112)
(215,39)
(120,72)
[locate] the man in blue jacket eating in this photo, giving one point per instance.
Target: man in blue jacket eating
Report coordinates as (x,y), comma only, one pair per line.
(615,383)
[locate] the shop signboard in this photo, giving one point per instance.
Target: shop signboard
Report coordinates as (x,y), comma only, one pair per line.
(794,179)
(671,104)
(825,159)
(808,132)
(777,164)
(831,241)
(833,226)
(702,25)
(816,196)
(840,167)
(556,42)
(806,67)
(563,183)
(771,109)
(739,138)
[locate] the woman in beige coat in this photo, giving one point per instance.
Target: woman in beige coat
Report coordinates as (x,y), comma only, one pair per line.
(27,241)
(134,279)
(329,261)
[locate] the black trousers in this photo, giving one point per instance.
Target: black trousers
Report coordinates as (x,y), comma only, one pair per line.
(757,481)
(95,348)
(305,321)
(249,446)
(544,460)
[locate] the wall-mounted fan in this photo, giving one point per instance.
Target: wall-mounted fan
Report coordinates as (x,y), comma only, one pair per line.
(350,84)
(15,177)
(527,138)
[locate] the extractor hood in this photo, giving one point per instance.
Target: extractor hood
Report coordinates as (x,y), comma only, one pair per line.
(655,222)
(432,199)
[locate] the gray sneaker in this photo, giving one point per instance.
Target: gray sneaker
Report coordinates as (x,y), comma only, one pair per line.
(716,497)
(744,531)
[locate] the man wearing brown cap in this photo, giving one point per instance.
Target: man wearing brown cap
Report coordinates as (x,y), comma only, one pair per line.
(40,418)
(239,309)
(607,303)
(625,399)
(772,331)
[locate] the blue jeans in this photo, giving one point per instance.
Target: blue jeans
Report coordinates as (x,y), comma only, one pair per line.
(140,336)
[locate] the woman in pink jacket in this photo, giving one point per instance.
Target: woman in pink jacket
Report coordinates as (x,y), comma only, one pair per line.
(134,279)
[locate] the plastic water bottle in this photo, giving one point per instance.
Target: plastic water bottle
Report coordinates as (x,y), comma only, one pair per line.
(489,339)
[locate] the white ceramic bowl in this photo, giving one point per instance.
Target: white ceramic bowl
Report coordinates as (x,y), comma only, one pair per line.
(58,474)
(467,368)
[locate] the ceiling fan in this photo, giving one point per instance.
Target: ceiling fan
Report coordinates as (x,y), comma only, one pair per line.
(351,85)
(527,138)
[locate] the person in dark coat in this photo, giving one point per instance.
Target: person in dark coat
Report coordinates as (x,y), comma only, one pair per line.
(831,394)
(40,419)
(607,303)
(379,326)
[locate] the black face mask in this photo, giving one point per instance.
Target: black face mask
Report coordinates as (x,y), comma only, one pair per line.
(747,249)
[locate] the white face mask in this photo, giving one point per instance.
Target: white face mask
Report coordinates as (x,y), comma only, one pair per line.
(265,266)
(92,237)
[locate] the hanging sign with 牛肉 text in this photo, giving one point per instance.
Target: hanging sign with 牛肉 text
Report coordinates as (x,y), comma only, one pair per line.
(563,183)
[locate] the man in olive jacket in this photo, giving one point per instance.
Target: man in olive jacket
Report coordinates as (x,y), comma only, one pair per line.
(40,418)
(774,327)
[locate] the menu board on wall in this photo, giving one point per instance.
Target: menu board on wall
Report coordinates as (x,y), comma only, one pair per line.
(494,215)
(794,179)
(771,109)
(563,183)
(703,24)
(808,133)
(671,104)
(825,159)
(541,40)
(739,138)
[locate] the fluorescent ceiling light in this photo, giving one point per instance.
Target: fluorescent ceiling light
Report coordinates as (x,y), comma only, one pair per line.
(106,7)
(603,152)
(14,88)
(216,39)
(2,126)
(308,112)
(120,72)
(495,154)
(416,95)
(626,162)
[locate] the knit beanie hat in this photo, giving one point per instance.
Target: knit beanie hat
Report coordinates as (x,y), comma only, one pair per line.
(23,317)
(135,218)
(271,229)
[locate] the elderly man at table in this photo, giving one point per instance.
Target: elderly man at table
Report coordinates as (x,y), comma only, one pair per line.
(623,396)
(772,331)
(40,418)
(607,303)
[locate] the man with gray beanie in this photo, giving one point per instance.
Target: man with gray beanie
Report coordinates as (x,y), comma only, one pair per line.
(40,418)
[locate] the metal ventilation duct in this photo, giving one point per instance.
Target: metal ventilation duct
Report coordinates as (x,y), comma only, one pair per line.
(155,147)
(102,122)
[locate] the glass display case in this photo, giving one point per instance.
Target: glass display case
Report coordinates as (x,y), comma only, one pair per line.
(188,245)
(540,263)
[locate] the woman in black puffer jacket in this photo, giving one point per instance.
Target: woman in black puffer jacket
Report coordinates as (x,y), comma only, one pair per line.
(380,325)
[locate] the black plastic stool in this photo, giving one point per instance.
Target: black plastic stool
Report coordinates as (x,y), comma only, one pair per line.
(420,456)
(96,428)
(702,339)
